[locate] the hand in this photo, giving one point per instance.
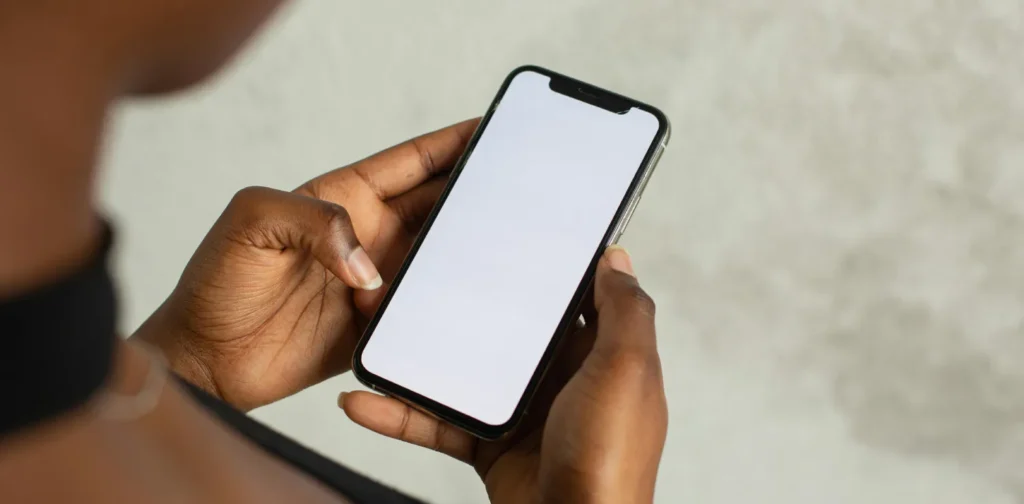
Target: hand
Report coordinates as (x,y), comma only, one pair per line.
(595,430)
(268,304)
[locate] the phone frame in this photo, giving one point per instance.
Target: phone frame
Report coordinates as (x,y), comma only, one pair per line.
(580,91)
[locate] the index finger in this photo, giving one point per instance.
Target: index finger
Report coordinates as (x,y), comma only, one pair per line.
(396,420)
(398,169)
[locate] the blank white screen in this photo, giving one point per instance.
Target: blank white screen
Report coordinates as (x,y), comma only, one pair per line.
(482,298)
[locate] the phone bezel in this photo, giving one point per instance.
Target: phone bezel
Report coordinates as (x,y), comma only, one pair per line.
(612,233)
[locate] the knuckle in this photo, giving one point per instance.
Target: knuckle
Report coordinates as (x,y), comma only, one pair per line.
(249,195)
(639,301)
(403,427)
(244,208)
(426,158)
(336,217)
(440,431)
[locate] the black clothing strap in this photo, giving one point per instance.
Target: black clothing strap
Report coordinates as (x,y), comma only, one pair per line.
(354,486)
(56,344)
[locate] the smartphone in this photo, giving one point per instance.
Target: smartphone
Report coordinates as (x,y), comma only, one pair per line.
(550,178)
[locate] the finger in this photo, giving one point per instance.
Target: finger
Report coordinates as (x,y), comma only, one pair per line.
(400,168)
(367,301)
(278,220)
(394,419)
(413,207)
(625,313)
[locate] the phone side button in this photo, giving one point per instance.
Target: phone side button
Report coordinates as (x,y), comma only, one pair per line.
(629,213)
(616,234)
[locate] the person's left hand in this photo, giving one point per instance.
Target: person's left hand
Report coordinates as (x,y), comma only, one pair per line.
(272,300)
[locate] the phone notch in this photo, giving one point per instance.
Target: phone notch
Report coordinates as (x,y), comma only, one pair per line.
(590,94)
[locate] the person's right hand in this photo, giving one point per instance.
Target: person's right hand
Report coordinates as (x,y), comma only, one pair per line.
(596,429)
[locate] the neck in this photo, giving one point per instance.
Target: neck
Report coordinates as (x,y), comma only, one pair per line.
(53,100)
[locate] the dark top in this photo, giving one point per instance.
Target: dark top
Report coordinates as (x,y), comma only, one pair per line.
(58,345)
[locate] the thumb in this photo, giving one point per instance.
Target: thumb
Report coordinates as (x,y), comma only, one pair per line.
(625,313)
(272,219)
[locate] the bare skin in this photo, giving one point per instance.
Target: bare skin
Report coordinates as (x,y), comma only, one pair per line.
(309,262)
(66,63)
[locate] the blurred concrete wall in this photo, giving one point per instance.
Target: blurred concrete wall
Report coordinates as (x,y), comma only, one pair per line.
(835,236)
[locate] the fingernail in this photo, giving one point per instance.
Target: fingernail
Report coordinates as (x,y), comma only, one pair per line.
(363,270)
(619,260)
(341,400)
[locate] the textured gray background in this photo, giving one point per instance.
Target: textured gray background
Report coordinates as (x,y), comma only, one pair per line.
(835,235)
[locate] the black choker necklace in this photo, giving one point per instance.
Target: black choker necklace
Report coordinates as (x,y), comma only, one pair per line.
(56,344)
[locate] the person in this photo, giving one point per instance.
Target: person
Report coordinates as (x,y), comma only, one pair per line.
(272,302)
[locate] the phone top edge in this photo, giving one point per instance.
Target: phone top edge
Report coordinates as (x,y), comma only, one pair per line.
(664,127)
